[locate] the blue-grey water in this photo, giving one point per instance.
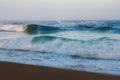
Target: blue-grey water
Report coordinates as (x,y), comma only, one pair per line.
(79,45)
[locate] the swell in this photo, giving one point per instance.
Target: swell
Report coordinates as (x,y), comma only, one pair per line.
(33,28)
(98,29)
(46,29)
(96,26)
(107,29)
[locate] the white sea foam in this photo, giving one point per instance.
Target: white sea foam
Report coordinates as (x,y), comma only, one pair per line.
(102,49)
(14,28)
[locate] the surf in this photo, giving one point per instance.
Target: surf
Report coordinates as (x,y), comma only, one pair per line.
(102,48)
(79,45)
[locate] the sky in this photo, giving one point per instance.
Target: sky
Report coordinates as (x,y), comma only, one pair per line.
(59,9)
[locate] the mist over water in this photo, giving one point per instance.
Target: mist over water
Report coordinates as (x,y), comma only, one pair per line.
(79,45)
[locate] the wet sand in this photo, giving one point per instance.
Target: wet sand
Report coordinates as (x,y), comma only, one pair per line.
(14,71)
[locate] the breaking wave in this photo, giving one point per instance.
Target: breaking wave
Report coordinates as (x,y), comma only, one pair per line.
(102,48)
(31,28)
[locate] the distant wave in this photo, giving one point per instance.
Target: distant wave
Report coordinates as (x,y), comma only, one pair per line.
(107,29)
(46,29)
(33,28)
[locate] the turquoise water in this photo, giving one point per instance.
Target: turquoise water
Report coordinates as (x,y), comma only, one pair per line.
(80,45)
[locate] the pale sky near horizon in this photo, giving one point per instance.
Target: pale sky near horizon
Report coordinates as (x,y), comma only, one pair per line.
(59,9)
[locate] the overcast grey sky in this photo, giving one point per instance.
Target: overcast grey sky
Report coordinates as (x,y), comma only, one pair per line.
(59,9)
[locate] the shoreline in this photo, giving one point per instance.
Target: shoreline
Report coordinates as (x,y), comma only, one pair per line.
(15,71)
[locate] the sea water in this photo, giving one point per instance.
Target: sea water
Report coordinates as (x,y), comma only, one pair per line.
(91,45)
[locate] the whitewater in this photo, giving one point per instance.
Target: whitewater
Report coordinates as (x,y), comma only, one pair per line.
(79,45)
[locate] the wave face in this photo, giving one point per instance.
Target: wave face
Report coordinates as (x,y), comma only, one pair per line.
(68,43)
(33,28)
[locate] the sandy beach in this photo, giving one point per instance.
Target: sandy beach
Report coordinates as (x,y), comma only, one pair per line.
(14,71)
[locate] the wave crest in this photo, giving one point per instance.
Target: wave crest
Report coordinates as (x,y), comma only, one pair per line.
(12,28)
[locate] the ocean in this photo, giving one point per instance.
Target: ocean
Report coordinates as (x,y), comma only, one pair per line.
(87,45)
